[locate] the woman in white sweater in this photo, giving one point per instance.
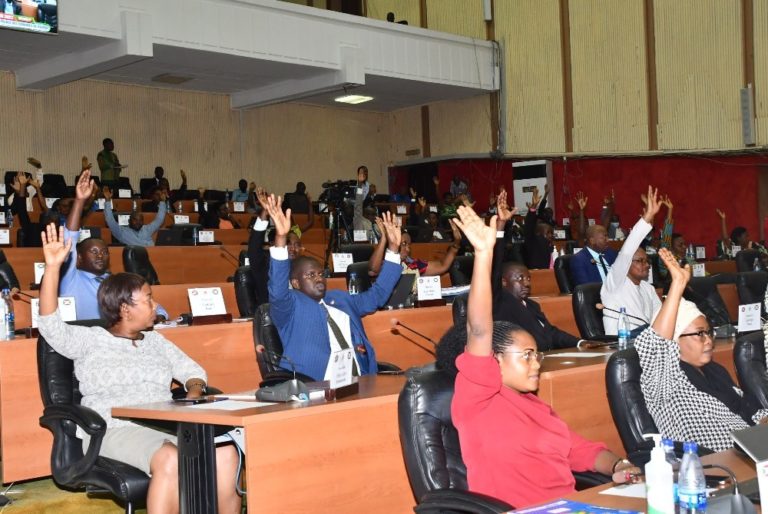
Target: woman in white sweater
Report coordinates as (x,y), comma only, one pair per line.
(126,364)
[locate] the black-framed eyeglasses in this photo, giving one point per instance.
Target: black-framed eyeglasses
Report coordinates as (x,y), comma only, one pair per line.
(710,332)
(528,355)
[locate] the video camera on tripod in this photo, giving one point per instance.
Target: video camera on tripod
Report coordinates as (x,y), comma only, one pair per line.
(337,192)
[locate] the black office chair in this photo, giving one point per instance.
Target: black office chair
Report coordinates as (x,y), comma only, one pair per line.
(459,309)
(360,251)
(245,292)
(8,279)
(432,451)
(563,274)
(124,183)
(461,270)
(751,287)
(54,186)
(749,357)
(363,279)
(136,260)
(704,293)
(746,259)
(242,256)
(62,413)
(589,318)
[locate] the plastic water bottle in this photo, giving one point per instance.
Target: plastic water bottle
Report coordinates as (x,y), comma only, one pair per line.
(135,206)
(691,485)
(756,265)
(9,320)
(9,218)
(179,207)
(623,329)
(658,480)
(3,310)
(353,285)
(669,452)
(194,236)
(227,195)
(8,7)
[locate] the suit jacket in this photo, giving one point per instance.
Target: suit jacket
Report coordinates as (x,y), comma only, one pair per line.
(529,316)
(584,270)
(302,322)
(537,248)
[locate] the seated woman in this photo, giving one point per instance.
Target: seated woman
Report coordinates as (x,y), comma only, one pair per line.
(126,364)
(690,397)
(514,446)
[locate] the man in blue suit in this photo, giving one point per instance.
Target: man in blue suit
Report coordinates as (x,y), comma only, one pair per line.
(593,263)
(312,323)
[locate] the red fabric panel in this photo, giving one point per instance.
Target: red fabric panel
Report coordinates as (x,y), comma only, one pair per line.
(483,176)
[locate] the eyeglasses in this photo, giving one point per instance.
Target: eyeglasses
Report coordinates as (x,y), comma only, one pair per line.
(710,332)
(312,275)
(640,261)
(528,355)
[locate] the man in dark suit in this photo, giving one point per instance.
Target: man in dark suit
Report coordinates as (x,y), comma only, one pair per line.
(593,262)
(512,304)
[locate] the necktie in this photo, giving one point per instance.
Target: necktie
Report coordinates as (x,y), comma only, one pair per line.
(603,264)
(340,339)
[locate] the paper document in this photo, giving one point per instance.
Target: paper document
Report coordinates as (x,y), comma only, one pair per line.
(627,490)
(576,355)
(230,405)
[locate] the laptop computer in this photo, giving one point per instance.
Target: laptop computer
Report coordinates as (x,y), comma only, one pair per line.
(753,441)
(402,290)
(168,237)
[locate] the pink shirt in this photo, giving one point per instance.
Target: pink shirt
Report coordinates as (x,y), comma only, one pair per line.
(515,447)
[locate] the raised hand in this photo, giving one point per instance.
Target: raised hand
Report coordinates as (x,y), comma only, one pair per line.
(281,219)
(413,192)
(652,206)
(535,199)
(581,199)
(107,193)
(667,202)
(380,225)
(422,202)
(22,178)
(391,231)
(84,164)
(252,187)
(481,236)
(85,186)
(720,213)
(54,249)
(35,183)
(455,232)
(35,162)
(504,212)
(436,180)
(679,275)
(183,175)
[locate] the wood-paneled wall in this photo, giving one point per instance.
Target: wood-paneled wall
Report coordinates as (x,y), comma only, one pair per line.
(462,17)
(473,135)
(407,10)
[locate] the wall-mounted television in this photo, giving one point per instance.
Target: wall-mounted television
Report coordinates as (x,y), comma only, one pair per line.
(30,15)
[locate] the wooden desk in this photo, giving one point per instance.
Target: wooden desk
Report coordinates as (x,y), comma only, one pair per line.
(355,439)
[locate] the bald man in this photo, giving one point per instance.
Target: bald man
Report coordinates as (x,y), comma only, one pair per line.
(593,262)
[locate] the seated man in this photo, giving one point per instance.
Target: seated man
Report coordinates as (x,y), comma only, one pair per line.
(136,233)
(627,283)
(241,194)
(88,263)
(314,324)
(593,263)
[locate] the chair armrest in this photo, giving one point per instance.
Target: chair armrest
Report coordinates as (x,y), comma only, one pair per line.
(87,419)
(587,479)
(387,368)
(451,500)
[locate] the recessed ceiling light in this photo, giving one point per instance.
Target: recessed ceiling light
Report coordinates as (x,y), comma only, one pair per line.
(353,99)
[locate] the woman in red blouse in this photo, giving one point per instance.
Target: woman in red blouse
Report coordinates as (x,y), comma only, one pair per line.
(514,446)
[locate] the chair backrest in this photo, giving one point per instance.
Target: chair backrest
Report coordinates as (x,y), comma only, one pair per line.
(54,186)
(459,309)
(751,287)
(136,260)
(589,318)
(429,440)
(563,274)
(265,334)
(704,293)
(8,279)
(360,251)
(242,256)
(628,408)
(363,279)
(461,270)
(245,291)
(749,357)
(745,260)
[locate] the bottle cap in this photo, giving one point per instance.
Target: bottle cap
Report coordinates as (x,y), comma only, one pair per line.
(690,447)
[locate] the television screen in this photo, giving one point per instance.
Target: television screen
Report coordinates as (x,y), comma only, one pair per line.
(29,15)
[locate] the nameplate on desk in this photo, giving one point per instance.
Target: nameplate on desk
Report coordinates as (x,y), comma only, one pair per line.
(39,268)
(67,309)
(341,261)
(762,481)
(180,219)
(123,219)
(84,234)
(205,206)
(359,235)
(701,252)
(2,201)
(698,270)
(591,221)
(2,189)
(735,249)
(559,233)
(433,208)
(436,234)
(401,209)
(123,193)
(5,236)
(206,301)
(566,222)
(101,204)
(341,368)
(49,202)
(398,220)
(238,206)
(428,288)
(3,220)
(205,236)
(749,317)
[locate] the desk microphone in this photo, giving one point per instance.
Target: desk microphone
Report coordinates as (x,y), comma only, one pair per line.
(737,503)
(396,323)
(286,391)
(17,295)
(237,260)
(601,307)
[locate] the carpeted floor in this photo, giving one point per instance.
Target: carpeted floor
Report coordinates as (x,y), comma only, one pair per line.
(44,497)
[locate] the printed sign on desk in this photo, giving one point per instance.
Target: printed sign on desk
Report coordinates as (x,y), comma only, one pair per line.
(205,236)
(101,203)
(577,250)
(735,249)
(559,233)
(429,288)
(762,481)
(591,221)
(433,208)
(180,219)
(67,309)
(698,270)
(401,209)
(123,219)
(3,221)
(2,201)
(206,301)
(39,268)
(123,193)
(359,235)
(566,222)
(341,368)
(437,235)
(238,206)
(749,317)
(650,275)
(85,233)
(5,236)
(701,252)
(341,261)
(246,262)
(2,189)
